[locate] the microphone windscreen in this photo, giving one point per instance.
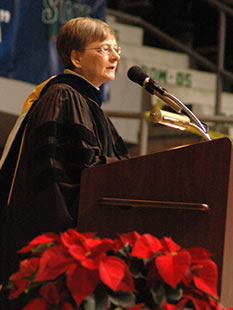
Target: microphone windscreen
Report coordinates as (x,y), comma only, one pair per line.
(137,75)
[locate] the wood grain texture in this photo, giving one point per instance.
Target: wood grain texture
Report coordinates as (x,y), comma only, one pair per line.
(199,174)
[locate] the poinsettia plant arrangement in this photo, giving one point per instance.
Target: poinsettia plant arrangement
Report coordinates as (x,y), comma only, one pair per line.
(75,270)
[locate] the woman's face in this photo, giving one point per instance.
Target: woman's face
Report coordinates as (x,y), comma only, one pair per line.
(96,65)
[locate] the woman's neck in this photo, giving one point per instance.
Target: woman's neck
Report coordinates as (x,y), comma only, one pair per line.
(75,73)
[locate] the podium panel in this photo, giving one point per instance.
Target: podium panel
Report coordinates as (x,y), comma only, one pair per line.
(184,193)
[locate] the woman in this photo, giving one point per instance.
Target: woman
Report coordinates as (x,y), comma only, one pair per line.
(62,132)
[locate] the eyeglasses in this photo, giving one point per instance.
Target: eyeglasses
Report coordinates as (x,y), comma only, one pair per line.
(106,49)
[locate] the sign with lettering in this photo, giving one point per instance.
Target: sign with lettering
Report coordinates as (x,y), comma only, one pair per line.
(176,77)
(28,31)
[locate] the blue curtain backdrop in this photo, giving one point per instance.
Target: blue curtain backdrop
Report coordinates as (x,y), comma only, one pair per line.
(28,31)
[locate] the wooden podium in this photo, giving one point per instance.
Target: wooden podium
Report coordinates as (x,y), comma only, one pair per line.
(184,193)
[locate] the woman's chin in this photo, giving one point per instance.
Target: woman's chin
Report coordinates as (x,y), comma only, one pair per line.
(111,77)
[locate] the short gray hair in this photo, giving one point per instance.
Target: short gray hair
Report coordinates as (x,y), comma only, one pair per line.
(77,33)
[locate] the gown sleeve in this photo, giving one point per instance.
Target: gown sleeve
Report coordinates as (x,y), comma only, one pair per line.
(63,136)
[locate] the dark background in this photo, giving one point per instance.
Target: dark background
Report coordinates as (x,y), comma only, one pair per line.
(193,22)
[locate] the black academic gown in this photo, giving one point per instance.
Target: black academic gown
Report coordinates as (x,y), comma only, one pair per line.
(64,132)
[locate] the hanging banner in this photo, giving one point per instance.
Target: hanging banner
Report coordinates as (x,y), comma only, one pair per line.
(28,32)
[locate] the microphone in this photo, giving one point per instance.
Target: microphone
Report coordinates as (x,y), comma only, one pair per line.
(137,75)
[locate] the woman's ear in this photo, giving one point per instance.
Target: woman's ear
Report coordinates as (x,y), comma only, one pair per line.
(75,58)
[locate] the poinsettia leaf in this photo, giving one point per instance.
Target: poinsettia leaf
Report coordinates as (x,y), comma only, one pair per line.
(167,306)
(200,283)
(112,271)
(97,274)
(137,267)
(169,245)
(32,285)
(81,282)
(124,251)
(198,302)
(77,251)
(86,240)
(104,245)
(122,299)
(17,288)
(172,268)
(146,246)
(72,236)
(182,304)
(54,261)
(130,238)
(102,300)
(157,291)
(140,306)
(42,247)
(38,304)
(88,251)
(127,283)
(152,274)
(91,263)
(50,293)
(66,306)
(99,300)
(27,269)
(103,303)
(198,254)
(38,241)
(16,276)
(173,295)
(87,259)
(207,278)
(89,303)
(29,266)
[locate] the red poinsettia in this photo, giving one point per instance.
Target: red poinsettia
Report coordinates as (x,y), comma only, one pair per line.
(173,263)
(146,246)
(132,272)
(204,271)
(52,295)
(84,257)
(38,242)
(21,279)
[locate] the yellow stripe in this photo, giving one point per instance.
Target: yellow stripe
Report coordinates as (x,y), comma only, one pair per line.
(16,167)
(27,105)
(34,95)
